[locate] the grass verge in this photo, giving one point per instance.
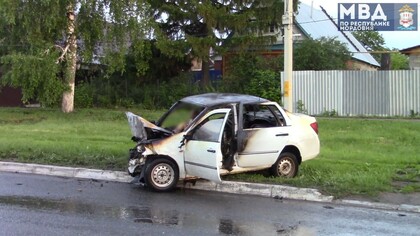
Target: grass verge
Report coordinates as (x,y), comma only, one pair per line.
(358,156)
(88,137)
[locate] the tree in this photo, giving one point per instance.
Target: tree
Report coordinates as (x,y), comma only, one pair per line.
(372,41)
(399,61)
(199,27)
(320,54)
(43,41)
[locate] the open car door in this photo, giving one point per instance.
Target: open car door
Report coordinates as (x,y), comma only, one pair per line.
(262,134)
(202,153)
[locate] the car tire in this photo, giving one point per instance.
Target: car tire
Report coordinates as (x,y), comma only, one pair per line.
(161,175)
(286,165)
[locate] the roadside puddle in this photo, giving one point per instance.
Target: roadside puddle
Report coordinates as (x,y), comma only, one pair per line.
(150,215)
(137,214)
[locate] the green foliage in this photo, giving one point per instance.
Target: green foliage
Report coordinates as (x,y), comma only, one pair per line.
(198,26)
(83,97)
(372,41)
(331,113)
(152,64)
(243,68)
(164,94)
(104,29)
(114,92)
(265,84)
(413,114)
(36,75)
(320,54)
(300,107)
(399,61)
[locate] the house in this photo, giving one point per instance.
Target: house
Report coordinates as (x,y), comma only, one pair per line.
(315,23)
(413,54)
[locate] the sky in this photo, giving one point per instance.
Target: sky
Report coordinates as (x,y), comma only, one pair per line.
(393,39)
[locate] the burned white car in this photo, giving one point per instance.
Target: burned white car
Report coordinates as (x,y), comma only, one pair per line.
(209,135)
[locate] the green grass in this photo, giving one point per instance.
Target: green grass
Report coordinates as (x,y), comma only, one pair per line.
(89,138)
(358,156)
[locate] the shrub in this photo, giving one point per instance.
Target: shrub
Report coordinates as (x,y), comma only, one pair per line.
(265,84)
(83,95)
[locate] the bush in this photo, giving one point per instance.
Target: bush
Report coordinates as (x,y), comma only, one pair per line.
(83,95)
(265,84)
(253,74)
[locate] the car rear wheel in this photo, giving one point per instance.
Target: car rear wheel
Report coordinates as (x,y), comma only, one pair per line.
(161,175)
(286,165)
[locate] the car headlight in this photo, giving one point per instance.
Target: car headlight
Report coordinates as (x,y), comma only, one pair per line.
(141,149)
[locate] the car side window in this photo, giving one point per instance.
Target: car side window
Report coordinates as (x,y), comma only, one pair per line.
(261,116)
(209,129)
(277,112)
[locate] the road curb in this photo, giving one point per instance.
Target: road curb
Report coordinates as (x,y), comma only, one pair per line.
(379,205)
(264,190)
(117,176)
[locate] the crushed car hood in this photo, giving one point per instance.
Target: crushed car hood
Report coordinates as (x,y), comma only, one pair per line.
(142,128)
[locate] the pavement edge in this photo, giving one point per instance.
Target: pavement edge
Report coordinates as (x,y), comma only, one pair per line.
(265,190)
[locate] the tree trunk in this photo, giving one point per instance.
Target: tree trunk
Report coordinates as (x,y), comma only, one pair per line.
(67,104)
(205,69)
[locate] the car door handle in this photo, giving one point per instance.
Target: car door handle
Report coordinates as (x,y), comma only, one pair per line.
(211,150)
(282,134)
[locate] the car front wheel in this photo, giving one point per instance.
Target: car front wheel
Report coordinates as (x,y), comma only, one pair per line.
(286,165)
(161,175)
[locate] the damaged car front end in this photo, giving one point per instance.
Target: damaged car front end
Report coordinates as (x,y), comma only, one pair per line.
(143,133)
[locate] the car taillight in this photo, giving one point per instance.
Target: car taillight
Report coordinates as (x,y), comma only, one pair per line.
(315,127)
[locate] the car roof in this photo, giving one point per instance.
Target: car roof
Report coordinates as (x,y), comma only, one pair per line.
(214,99)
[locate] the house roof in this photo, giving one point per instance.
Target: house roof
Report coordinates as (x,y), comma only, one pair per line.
(409,50)
(214,99)
(316,23)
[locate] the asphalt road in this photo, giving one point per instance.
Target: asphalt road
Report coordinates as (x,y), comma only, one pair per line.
(41,205)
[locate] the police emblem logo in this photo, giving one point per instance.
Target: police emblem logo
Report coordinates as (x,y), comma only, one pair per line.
(406,17)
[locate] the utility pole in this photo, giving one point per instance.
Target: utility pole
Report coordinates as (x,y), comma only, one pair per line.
(288,55)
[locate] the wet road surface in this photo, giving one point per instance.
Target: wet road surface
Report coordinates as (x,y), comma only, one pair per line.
(43,205)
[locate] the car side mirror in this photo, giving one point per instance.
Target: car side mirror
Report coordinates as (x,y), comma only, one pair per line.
(186,138)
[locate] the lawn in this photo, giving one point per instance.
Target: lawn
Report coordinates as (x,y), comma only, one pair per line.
(358,156)
(89,138)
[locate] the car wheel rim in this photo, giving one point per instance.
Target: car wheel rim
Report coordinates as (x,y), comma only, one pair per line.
(285,167)
(162,175)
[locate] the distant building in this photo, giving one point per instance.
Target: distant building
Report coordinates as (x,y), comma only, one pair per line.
(413,54)
(314,23)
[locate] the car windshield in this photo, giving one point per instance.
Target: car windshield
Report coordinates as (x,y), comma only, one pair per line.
(180,116)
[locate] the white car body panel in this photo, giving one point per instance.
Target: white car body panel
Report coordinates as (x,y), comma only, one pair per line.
(303,136)
(263,147)
(203,158)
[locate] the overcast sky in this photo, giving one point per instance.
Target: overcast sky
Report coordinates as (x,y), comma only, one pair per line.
(393,39)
